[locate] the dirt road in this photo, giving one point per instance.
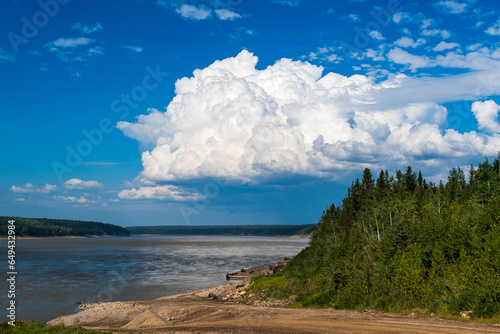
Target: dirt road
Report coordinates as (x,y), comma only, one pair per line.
(223,313)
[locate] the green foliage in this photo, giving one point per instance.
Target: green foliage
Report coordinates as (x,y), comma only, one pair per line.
(43,227)
(401,243)
(258,230)
(36,327)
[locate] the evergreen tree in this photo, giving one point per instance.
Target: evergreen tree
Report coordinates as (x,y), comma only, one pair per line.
(402,243)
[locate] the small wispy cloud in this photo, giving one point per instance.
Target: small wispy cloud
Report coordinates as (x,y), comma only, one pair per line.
(5,56)
(452,7)
(446,46)
(134,49)
(81,184)
(291,3)
(71,42)
(165,193)
(74,200)
(426,23)
(399,17)
(194,13)
(74,49)
(376,35)
(329,11)
(474,47)
(85,29)
(354,17)
(227,15)
(96,51)
(323,54)
(479,24)
(437,32)
(30,188)
(494,29)
(376,55)
(250,32)
(100,163)
(200,12)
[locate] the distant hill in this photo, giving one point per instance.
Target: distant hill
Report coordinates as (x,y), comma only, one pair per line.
(247,230)
(44,227)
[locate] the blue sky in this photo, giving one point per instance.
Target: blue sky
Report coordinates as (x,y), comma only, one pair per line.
(236,111)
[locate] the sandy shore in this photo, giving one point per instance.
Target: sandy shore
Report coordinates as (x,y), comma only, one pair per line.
(227,309)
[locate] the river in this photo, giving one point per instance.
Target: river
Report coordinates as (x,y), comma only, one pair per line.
(54,275)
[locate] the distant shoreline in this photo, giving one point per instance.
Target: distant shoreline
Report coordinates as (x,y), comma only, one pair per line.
(43,228)
(220,235)
(226,230)
(24,227)
(153,235)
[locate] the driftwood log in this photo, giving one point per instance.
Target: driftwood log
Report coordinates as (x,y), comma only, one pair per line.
(264,270)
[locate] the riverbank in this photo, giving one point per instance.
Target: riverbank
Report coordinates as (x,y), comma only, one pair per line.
(227,309)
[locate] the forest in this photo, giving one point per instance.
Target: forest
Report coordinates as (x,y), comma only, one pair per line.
(44,227)
(402,244)
(255,230)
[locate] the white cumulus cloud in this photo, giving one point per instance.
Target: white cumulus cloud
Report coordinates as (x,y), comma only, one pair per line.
(377,35)
(231,120)
(400,56)
(47,188)
(487,115)
(399,17)
(81,184)
(407,42)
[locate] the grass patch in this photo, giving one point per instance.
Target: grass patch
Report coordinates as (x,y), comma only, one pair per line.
(272,282)
(274,287)
(37,327)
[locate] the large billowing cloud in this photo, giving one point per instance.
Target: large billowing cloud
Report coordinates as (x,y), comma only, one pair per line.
(234,121)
